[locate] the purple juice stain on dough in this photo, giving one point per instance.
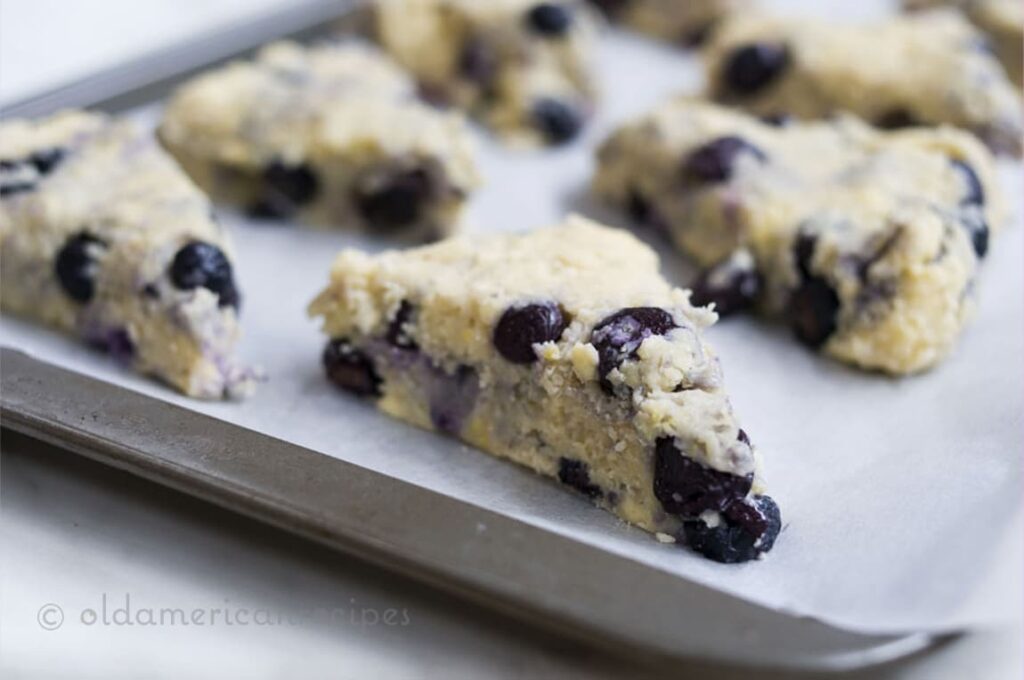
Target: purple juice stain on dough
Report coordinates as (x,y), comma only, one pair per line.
(452,397)
(115,341)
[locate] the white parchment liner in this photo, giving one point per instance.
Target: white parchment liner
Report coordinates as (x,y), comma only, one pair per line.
(901,497)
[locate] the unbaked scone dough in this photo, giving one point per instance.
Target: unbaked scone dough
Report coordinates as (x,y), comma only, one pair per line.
(564,350)
(104,237)
(332,134)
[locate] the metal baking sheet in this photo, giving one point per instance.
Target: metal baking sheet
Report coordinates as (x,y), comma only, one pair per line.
(528,569)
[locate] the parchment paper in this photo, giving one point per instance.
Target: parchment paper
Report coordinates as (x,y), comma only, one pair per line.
(901,497)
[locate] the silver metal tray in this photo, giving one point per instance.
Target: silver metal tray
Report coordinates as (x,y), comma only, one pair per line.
(550,579)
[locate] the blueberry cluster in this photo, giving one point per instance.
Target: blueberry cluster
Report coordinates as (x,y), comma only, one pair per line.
(741,526)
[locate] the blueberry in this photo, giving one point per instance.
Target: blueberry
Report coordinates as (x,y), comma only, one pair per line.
(803,253)
(732,286)
(271,206)
(687,488)
(523,326)
(698,35)
(977,231)
(297,183)
(395,199)
(619,336)
(557,121)
(397,334)
(895,119)
(752,68)
(975,192)
(286,188)
(549,19)
(46,160)
(203,265)
(576,473)
(813,308)
(75,266)
(478,62)
(643,213)
(350,369)
(637,206)
(716,160)
(16,188)
(746,529)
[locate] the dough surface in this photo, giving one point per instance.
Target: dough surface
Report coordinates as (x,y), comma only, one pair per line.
(104,237)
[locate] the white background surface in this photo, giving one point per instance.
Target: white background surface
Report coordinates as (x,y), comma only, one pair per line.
(69,538)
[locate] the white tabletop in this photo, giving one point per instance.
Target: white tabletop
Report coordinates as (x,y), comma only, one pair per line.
(101,571)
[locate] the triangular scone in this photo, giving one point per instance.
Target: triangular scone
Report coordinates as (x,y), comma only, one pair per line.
(332,134)
(564,350)
(869,242)
(103,236)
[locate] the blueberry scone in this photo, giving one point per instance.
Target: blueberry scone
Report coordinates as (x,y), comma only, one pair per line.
(928,68)
(867,241)
(103,236)
(1001,20)
(524,346)
(685,22)
(521,66)
(332,134)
